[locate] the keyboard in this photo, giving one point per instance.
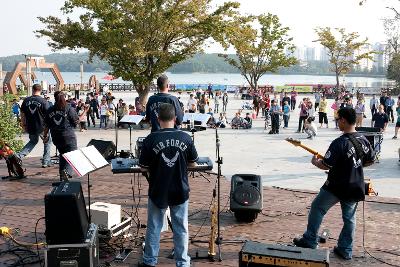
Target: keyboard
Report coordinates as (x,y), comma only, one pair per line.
(128,165)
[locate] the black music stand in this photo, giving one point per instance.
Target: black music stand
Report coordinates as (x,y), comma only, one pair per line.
(131,120)
(84,161)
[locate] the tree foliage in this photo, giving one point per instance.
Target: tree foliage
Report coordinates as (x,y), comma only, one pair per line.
(10,127)
(393,71)
(259,49)
(392,32)
(344,49)
(139,39)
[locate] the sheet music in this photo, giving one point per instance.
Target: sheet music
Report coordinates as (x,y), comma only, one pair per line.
(94,156)
(132,119)
(79,162)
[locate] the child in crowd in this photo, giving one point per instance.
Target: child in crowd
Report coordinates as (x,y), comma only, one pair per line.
(286,114)
(310,128)
(83,110)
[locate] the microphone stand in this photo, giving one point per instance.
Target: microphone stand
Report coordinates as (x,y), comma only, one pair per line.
(116,128)
(219,161)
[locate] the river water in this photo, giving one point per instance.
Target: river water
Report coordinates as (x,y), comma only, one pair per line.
(228,79)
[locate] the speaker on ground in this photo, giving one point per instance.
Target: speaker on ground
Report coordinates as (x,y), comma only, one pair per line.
(66,217)
(106,148)
(246,199)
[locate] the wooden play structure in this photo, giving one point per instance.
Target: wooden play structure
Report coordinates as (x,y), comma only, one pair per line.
(20,72)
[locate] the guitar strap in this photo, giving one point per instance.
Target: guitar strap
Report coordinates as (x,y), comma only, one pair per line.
(357,146)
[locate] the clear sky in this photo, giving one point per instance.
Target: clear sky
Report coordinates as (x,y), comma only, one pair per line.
(19,20)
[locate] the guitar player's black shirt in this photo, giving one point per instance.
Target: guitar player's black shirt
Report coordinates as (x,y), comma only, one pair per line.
(346,175)
(165,154)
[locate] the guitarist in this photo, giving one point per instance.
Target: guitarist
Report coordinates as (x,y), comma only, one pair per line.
(345,159)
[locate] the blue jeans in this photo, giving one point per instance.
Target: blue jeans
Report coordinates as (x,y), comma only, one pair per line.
(319,207)
(33,140)
(103,121)
(179,220)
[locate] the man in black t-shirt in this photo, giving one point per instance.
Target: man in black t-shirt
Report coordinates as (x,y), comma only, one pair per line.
(33,111)
(380,119)
(166,155)
(345,159)
(162,97)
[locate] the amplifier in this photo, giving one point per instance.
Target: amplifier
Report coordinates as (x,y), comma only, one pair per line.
(258,254)
(85,254)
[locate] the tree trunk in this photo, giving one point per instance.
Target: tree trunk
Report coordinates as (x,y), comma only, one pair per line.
(143,91)
(337,82)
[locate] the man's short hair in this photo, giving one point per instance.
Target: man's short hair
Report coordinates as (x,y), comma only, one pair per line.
(36,87)
(166,112)
(349,114)
(162,81)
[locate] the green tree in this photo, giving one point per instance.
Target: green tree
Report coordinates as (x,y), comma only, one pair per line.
(344,49)
(138,39)
(10,127)
(262,45)
(393,71)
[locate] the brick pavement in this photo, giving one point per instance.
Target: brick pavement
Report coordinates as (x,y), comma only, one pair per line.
(283,216)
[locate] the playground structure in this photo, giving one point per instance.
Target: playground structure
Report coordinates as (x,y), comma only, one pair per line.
(22,70)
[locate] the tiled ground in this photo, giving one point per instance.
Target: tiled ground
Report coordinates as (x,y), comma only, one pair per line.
(283,216)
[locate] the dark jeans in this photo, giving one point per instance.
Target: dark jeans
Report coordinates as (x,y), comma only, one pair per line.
(286,120)
(292,104)
(302,120)
(373,111)
(64,147)
(389,112)
(90,117)
(316,106)
(275,123)
(319,207)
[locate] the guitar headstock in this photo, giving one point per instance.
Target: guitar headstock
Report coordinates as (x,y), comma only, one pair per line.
(294,142)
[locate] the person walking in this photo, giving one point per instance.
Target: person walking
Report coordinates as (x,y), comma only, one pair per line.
(317,100)
(216,102)
(166,155)
(224,101)
(380,119)
(293,96)
(303,115)
(33,111)
(345,159)
(61,120)
(389,107)
(373,105)
(360,109)
(286,114)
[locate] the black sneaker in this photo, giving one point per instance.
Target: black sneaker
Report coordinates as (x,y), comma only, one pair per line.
(341,254)
(301,242)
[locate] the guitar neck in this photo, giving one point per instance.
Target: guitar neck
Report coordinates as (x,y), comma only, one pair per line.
(312,151)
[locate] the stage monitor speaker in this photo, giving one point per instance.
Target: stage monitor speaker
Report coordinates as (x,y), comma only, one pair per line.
(66,217)
(246,199)
(106,148)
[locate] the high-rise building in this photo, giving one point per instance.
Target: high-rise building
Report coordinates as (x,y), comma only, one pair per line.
(309,53)
(323,54)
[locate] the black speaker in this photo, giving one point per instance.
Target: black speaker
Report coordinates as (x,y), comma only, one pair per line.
(246,199)
(66,217)
(106,148)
